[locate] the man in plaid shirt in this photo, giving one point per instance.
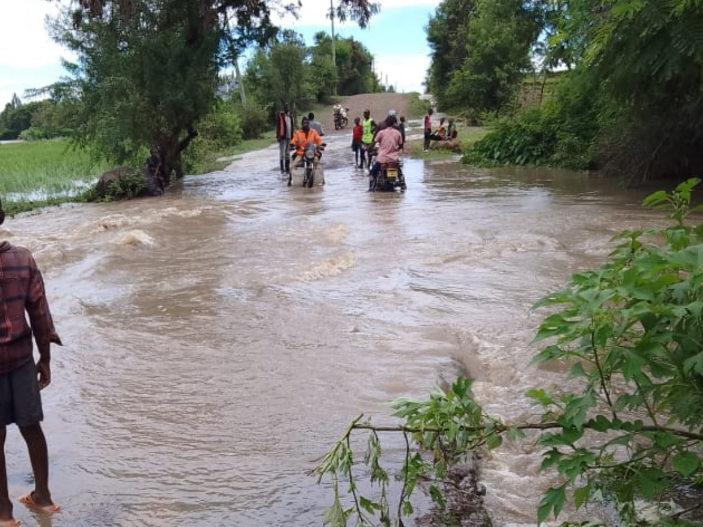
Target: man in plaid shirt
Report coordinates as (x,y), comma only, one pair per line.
(22,289)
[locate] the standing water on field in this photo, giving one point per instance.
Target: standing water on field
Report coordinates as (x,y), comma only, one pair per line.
(220,339)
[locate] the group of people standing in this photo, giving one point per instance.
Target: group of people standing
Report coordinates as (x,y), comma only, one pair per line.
(365,136)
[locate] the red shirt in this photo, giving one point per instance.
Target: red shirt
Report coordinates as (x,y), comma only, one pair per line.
(357,133)
(22,289)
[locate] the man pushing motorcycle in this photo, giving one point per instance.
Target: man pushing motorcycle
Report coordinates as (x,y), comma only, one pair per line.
(301,139)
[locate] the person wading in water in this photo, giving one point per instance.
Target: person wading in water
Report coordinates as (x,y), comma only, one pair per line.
(22,289)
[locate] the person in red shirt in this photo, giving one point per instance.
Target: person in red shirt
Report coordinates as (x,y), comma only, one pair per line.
(357,134)
(22,290)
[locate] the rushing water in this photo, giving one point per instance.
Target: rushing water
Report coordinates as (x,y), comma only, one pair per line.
(219,339)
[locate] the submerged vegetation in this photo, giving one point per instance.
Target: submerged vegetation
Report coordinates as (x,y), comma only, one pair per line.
(626,424)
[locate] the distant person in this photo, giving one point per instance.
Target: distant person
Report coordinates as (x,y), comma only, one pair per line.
(441,133)
(451,130)
(357,134)
(428,129)
(401,127)
(21,379)
(284,133)
(315,125)
(369,130)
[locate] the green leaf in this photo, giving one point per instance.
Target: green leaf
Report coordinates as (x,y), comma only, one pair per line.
(577,371)
(651,482)
(494,441)
(553,501)
(437,496)
(686,463)
(369,506)
(665,439)
(656,199)
(541,396)
(335,516)
(515,434)
(581,496)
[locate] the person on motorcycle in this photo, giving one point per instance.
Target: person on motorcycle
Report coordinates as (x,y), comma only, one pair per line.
(300,140)
(315,125)
(389,143)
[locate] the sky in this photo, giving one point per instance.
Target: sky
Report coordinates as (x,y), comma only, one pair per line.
(396,38)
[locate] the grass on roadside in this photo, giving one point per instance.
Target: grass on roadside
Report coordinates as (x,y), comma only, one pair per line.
(213,161)
(417,107)
(467,137)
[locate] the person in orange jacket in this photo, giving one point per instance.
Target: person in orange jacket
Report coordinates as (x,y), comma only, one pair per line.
(300,140)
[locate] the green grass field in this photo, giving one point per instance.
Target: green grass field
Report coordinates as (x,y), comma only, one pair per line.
(45,169)
(43,173)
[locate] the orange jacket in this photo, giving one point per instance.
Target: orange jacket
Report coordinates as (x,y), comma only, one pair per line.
(300,140)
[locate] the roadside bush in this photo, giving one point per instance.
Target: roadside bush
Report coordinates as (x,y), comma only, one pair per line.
(128,183)
(561,133)
(417,107)
(254,120)
(222,127)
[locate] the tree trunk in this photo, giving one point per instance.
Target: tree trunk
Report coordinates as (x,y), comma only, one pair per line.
(170,149)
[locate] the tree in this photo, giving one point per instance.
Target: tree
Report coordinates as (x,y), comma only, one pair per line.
(481,51)
(447,32)
(633,106)
(354,66)
(279,75)
(17,117)
(147,69)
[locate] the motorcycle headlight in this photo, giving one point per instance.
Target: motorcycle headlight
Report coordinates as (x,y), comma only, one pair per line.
(309,154)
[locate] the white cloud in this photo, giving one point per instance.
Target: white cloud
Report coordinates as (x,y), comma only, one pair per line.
(24,41)
(405,72)
(314,12)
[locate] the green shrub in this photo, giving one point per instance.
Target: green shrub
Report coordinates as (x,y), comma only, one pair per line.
(254,120)
(222,127)
(128,185)
(561,133)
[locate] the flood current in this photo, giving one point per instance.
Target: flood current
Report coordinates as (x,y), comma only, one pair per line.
(219,339)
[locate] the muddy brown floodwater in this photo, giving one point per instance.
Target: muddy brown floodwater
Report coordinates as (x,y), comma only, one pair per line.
(219,339)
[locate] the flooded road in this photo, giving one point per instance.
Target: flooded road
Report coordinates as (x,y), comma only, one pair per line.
(219,339)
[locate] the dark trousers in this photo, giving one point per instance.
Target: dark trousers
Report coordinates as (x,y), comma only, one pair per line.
(428,134)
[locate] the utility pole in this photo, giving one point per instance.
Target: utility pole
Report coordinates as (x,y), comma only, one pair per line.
(334,55)
(235,59)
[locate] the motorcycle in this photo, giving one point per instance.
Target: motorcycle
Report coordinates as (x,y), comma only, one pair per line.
(389,178)
(310,169)
(340,118)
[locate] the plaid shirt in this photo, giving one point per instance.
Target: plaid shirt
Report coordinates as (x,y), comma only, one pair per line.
(22,288)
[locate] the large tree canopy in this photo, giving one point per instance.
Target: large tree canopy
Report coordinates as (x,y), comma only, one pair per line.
(147,70)
(481,50)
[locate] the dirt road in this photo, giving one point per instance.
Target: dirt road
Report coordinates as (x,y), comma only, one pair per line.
(377,103)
